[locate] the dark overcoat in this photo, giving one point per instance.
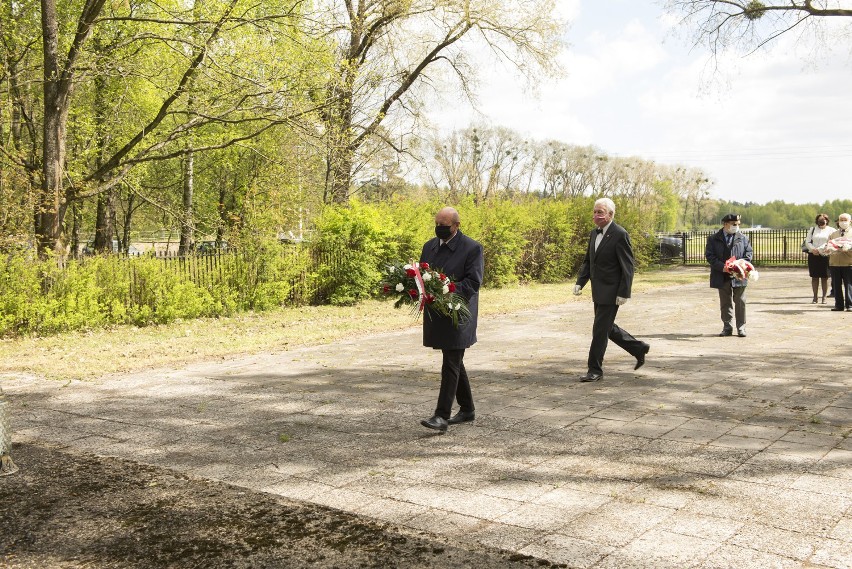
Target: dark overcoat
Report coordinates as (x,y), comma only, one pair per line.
(610,268)
(461,260)
(717,252)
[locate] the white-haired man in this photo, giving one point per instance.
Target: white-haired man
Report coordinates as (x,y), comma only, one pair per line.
(840,265)
(609,265)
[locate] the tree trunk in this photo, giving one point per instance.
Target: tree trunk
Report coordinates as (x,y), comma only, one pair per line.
(105,217)
(58,85)
(186,236)
(77,217)
(104,222)
(51,205)
(339,174)
(340,155)
(128,218)
(223,213)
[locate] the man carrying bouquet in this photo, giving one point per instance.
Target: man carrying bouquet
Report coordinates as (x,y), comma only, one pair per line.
(840,265)
(460,258)
(723,245)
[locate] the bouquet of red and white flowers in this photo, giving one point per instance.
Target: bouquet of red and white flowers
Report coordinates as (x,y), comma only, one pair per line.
(419,285)
(837,244)
(741,269)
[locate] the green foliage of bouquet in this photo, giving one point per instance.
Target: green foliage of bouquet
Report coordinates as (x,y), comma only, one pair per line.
(420,286)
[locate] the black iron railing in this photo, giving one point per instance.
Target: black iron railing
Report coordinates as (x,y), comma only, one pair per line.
(772,247)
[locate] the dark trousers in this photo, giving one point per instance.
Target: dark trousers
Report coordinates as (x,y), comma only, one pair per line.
(841,282)
(732,302)
(605,329)
(454,384)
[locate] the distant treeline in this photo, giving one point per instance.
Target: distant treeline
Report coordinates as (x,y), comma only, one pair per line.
(781,215)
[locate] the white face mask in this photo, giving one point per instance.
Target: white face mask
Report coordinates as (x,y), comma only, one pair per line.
(732,229)
(843,224)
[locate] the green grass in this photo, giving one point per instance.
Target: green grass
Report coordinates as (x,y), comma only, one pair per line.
(125,349)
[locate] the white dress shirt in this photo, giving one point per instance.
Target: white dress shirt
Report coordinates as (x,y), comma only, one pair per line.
(819,237)
(599,237)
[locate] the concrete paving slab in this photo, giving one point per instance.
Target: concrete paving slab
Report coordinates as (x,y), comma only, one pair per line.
(719,452)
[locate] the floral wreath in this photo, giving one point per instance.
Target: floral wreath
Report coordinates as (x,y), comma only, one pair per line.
(420,286)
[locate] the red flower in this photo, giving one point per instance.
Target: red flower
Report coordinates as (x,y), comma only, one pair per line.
(452,287)
(424,266)
(429,298)
(442,276)
(386,288)
(410,272)
(413,293)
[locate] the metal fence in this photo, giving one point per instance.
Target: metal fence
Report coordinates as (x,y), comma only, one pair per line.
(772,247)
(213,268)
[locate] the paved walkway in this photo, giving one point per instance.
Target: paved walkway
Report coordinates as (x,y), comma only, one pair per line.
(720,452)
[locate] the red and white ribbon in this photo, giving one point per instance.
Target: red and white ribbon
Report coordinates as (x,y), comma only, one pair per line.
(421,287)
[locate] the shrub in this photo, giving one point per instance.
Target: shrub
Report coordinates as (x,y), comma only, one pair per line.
(556,238)
(527,239)
(353,245)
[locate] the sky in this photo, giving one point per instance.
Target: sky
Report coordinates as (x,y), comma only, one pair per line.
(774,125)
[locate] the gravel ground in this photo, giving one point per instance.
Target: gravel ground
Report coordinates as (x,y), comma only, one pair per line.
(75,510)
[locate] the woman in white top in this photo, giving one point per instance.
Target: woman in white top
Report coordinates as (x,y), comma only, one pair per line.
(818,262)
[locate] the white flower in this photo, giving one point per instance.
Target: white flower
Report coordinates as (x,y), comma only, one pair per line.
(427,276)
(445,289)
(406,267)
(399,287)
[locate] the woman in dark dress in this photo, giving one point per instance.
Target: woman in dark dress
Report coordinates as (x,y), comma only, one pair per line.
(817,261)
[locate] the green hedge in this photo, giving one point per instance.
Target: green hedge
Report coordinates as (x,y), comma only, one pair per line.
(523,241)
(40,298)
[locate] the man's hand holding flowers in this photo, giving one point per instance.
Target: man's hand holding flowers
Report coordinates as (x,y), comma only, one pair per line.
(740,269)
(420,286)
(835,245)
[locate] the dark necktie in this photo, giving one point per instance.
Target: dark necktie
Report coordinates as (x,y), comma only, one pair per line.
(842,232)
(598,230)
(729,239)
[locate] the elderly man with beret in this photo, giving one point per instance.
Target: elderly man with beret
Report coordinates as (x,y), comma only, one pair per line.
(726,243)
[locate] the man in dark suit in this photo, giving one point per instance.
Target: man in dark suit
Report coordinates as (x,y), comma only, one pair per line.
(609,265)
(726,243)
(460,258)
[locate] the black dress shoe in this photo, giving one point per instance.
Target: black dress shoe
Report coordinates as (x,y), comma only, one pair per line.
(640,360)
(435,422)
(462,417)
(591,377)
(726,332)
(835,309)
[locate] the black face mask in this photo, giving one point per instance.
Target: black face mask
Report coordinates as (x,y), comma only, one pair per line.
(443,231)
(821,223)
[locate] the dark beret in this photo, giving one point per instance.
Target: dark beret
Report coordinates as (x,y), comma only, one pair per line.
(730,217)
